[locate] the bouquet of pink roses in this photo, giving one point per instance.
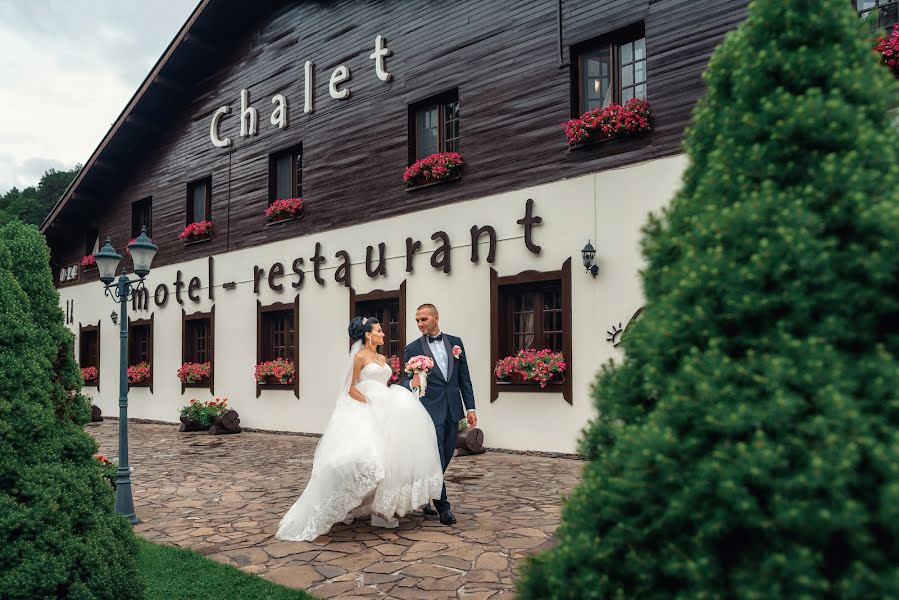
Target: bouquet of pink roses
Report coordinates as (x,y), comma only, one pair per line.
(420,364)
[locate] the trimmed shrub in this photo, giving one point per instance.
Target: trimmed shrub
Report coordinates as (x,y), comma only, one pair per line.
(61,536)
(748,445)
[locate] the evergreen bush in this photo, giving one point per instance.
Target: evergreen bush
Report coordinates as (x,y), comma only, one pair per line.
(748,445)
(61,538)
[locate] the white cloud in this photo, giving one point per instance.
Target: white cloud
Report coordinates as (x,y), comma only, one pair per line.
(67,71)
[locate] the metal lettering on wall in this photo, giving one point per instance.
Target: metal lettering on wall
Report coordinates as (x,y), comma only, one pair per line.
(617,331)
(273,276)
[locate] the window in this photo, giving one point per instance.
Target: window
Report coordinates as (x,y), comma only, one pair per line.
(89,353)
(198,344)
(140,346)
(531,310)
(199,201)
(89,349)
(286,174)
(434,126)
(389,309)
(142,216)
(276,337)
(611,69)
(879,13)
(91,240)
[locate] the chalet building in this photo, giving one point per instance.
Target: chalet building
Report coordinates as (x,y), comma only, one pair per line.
(331,102)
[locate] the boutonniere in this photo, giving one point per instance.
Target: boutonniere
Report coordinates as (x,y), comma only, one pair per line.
(457,352)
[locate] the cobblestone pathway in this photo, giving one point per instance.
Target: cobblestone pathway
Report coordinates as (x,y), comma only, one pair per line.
(223,496)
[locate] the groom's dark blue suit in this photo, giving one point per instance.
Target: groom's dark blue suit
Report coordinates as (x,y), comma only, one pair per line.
(443,398)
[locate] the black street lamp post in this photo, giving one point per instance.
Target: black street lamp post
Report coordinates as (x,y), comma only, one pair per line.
(121,290)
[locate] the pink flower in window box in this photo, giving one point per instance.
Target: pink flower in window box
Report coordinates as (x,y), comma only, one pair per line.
(196,231)
(436,167)
(286,208)
(612,121)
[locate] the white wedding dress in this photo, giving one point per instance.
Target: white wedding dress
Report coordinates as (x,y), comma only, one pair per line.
(377,458)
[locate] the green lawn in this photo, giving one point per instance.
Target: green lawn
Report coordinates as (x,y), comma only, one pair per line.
(176,574)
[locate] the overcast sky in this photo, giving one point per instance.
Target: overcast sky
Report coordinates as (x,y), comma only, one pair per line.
(67,68)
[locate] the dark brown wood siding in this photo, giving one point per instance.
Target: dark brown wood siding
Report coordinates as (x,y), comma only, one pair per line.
(503,57)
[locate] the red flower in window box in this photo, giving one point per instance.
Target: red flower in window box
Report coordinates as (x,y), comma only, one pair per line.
(127,250)
(436,167)
(139,373)
(89,262)
(286,208)
(279,370)
(531,364)
(395,365)
(888,49)
(195,372)
(89,374)
(610,122)
(196,231)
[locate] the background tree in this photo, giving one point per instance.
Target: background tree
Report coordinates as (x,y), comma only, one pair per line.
(61,536)
(33,204)
(748,446)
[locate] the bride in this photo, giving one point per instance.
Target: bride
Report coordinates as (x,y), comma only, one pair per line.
(378,455)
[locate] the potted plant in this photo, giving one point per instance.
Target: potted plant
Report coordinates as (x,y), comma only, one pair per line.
(88,262)
(195,372)
(279,370)
(195,232)
(90,375)
(613,121)
(284,210)
(198,416)
(443,166)
(531,364)
(139,373)
(888,50)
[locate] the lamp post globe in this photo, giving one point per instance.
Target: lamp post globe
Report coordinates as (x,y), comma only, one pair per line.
(142,252)
(107,262)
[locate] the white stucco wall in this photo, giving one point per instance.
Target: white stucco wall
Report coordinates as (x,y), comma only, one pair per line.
(608,207)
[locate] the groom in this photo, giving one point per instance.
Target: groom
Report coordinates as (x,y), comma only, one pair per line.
(448,386)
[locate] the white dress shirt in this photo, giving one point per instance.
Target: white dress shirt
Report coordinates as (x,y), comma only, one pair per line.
(438,349)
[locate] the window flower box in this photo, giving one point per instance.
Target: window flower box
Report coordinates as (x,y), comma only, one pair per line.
(278,371)
(195,372)
(128,250)
(540,366)
(285,209)
(88,262)
(196,232)
(90,375)
(436,168)
(613,121)
(198,416)
(395,366)
(139,373)
(887,48)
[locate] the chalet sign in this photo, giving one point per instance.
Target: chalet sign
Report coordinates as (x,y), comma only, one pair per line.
(278,276)
(338,88)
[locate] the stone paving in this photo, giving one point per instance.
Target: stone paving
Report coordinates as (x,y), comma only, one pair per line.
(223,496)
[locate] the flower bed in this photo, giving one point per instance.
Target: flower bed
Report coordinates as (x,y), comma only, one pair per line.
(282,210)
(531,365)
(201,414)
(613,121)
(888,50)
(279,370)
(395,365)
(90,375)
(195,372)
(88,262)
(139,373)
(200,230)
(442,166)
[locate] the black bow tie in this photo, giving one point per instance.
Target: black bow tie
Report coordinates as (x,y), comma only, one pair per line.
(436,338)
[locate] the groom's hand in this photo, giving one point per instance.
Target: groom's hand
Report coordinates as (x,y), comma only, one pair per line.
(472,419)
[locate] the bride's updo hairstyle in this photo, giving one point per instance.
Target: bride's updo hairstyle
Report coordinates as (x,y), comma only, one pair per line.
(359,327)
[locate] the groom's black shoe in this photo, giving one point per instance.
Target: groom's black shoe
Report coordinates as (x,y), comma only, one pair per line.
(447,518)
(429,510)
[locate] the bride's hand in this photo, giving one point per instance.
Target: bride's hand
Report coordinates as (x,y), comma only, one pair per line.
(415,382)
(361,400)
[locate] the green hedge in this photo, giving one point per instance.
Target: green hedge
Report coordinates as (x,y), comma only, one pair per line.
(748,445)
(61,538)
